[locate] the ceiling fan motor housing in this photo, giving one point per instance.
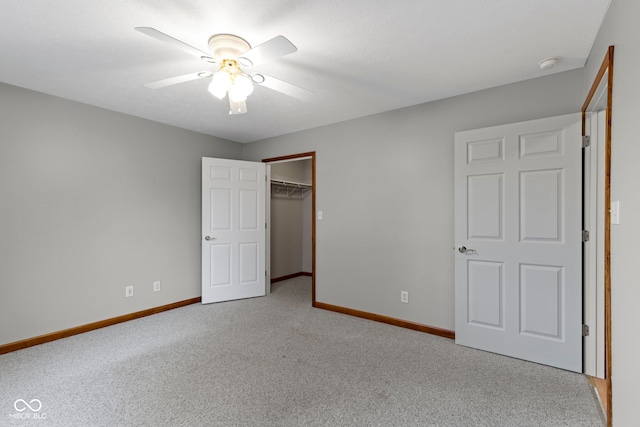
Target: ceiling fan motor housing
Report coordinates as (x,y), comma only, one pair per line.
(227,46)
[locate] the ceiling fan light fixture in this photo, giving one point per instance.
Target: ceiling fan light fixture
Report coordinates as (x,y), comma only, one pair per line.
(230,52)
(220,84)
(237,107)
(236,95)
(242,85)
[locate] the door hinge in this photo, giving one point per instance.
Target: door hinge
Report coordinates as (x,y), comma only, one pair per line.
(585,236)
(585,330)
(586,141)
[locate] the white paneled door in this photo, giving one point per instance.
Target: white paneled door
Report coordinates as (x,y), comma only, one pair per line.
(233,230)
(518,233)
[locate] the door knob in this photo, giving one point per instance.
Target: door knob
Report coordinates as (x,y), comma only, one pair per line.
(464,250)
(209,238)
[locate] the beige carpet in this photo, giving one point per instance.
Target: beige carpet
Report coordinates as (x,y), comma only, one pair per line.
(276,361)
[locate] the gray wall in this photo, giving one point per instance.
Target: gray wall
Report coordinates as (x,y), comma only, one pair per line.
(385,186)
(93,201)
(621,29)
(286,236)
(295,170)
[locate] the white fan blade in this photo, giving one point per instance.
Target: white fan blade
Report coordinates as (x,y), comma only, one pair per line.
(178,79)
(286,88)
(271,49)
(158,35)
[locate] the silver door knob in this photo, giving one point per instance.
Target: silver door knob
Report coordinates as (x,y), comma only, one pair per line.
(464,250)
(209,238)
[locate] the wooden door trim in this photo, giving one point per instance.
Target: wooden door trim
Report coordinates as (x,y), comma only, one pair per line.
(607,65)
(312,155)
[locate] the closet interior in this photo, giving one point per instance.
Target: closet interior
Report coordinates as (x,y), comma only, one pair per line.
(291,215)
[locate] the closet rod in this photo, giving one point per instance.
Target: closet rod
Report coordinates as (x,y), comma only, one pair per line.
(290,183)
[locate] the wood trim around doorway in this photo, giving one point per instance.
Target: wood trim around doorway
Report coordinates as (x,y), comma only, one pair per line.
(607,66)
(312,155)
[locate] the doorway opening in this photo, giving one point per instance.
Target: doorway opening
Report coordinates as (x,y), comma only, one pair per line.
(291,207)
(596,122)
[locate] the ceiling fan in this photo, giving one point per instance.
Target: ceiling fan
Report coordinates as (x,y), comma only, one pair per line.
(230,52)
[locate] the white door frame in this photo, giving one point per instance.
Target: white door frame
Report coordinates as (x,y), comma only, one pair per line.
(603,83)
(593,255)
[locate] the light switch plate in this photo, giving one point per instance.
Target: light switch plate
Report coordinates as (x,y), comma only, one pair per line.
(319,215)
(615,212)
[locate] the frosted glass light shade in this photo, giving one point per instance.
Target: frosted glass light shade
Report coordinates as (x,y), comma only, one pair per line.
(243,84)
(220,84)
(241,88)
(236,95)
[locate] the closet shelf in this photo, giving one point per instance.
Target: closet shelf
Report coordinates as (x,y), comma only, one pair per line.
(289,188)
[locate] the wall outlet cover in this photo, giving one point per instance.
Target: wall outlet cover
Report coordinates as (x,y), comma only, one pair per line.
(404,297)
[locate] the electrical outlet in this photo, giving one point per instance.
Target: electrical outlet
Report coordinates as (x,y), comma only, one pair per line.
(404,297)
(128,291)
(156,286)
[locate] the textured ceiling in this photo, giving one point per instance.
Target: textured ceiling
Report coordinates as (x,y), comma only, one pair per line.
(359,57)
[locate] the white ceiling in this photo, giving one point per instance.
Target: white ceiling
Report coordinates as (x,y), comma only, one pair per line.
(359,57)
